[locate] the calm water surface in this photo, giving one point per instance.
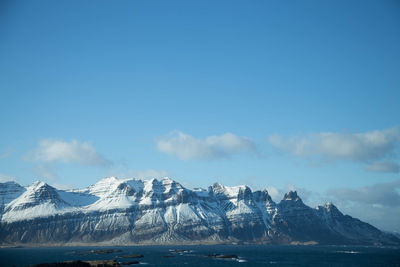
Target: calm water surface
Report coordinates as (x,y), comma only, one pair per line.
(274,256)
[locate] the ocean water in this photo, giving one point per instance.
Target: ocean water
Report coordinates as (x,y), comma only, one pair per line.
(254,255)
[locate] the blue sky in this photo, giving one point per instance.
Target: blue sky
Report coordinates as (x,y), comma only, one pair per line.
(300,94)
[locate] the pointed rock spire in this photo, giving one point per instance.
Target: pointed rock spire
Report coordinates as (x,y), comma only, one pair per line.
(291,195)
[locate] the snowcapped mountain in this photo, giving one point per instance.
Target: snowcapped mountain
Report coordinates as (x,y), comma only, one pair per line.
(132,211)
(38,199)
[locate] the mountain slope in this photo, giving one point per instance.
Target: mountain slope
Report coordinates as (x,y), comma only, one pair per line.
(132,211)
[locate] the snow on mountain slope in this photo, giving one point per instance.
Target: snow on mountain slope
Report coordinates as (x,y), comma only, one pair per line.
(120,196)
(121,211)
(77,198)
(103,187)
(38,200)
(10,191)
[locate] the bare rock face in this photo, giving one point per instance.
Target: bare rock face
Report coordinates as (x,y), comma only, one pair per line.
(131,211)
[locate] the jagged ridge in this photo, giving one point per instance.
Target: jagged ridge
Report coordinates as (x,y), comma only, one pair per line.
(115,211)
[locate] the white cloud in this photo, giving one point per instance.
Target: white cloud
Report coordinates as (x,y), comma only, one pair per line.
(275,193)
(384,217)
(187,147)
(49,151)
(385,166)
(377,204)
(359,147)
(385,194)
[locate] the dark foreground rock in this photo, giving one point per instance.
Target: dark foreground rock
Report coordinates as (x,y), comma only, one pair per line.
(130,263)
(221,256)
(106,251)
(132,256)
(100,263)
(179,250)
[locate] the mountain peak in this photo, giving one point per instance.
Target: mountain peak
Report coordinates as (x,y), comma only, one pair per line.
(217,185)
(37,184)
(104,186)
(9,191)
(111,179)
(291,195)
(9,182)
(262,195)
(330,207)
(167,179)
(42,190)
(38,199)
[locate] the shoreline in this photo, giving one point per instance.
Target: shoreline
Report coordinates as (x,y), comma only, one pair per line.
(81,245)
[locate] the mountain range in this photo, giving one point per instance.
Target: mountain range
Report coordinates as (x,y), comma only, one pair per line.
(132,211)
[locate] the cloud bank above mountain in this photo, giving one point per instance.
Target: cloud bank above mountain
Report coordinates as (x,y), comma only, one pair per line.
(383,194)
(374,148)
(50,154)
(378,204)
(187,147)
(49,151)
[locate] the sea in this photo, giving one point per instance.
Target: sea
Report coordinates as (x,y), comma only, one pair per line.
(209,255)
